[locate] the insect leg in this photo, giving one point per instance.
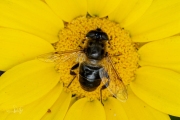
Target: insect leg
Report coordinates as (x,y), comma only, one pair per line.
(73,68)
(71,81)
(104,86)
(73,73)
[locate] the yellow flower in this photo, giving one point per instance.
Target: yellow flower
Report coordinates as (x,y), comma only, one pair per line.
(140,31)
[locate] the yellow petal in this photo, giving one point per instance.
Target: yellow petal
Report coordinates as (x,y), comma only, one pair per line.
(86,110)
(17,47)
(36,109)
(114,110)
(161,20)
(101,8)
(136,109)
(26,82)
(132,109)
(159,88)
(3,115)
(137,11)
(122,11)
(60,107)
(73,100)
(68,9)
(32,16)
(162,53)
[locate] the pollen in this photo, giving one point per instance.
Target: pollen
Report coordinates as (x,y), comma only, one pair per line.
(120,47)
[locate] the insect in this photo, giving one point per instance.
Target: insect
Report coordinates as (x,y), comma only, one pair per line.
(91,70)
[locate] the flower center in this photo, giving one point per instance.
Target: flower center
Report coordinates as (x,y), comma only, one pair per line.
(119,46)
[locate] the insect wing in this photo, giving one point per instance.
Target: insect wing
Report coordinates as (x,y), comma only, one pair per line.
(116,85)
(63,59)
(56,56)
(49,57)
(67,60)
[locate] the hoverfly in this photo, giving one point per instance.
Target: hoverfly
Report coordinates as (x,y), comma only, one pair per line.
(91,69)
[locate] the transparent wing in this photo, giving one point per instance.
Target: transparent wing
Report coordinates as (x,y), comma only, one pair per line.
(59,55)
(63,58)
(112,80)
(49,57)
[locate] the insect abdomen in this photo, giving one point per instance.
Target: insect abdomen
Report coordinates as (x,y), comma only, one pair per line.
(89,77)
